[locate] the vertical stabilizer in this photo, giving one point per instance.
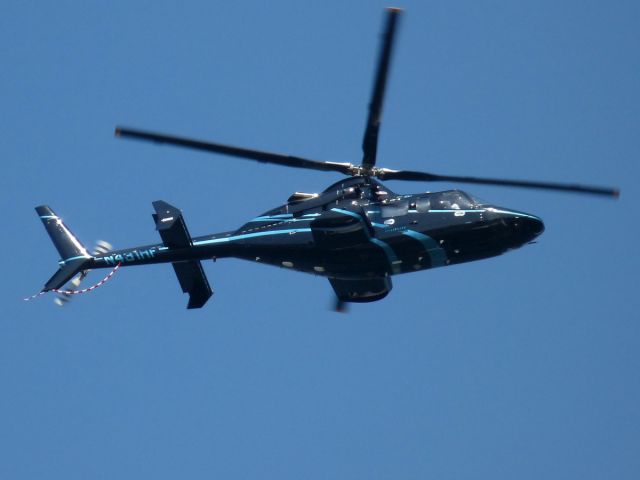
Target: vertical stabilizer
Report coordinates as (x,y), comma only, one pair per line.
(74,257)
(65,242)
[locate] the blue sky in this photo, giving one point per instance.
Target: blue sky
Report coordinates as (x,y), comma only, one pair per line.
(522,366)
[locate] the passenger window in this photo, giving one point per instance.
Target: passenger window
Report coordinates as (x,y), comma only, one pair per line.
(441,201)
(394,210)
(423,204)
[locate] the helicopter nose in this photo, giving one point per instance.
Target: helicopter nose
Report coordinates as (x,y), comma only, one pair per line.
(523,226)
(531,227)
(526,227)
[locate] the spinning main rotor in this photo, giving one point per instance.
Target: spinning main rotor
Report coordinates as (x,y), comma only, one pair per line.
(368,166)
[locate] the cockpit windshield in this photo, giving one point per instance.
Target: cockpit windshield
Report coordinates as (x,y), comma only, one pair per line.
(478,201)
(450,200)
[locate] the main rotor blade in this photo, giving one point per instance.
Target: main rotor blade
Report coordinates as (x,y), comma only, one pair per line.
(260,156)
(370,140)
(386,174)
(339,306)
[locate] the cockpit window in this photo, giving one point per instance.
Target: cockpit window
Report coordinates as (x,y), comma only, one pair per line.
(478,201)
(451,200)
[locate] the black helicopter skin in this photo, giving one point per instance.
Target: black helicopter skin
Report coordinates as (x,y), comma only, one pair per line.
(358,240)
(358,236)
(357,233)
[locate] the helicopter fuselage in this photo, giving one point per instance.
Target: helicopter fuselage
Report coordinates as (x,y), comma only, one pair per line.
(357,229)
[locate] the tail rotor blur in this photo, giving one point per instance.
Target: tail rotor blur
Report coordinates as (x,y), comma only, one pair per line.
(61,299)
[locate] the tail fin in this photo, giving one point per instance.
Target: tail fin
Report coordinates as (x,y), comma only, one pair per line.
(74,256)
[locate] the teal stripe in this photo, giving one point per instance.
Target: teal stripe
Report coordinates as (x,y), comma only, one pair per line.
(437,254)
(456,210)
(284,217)
(251,235)
(265,218)
(74,258)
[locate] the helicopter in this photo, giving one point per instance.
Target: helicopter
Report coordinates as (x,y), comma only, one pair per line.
(357,233)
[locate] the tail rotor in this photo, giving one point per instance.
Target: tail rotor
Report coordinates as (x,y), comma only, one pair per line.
(63,297)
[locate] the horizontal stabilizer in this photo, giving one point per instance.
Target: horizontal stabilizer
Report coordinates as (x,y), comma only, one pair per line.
(64,296)
(174,234)
(66,273)
(194,282)
(170,225)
